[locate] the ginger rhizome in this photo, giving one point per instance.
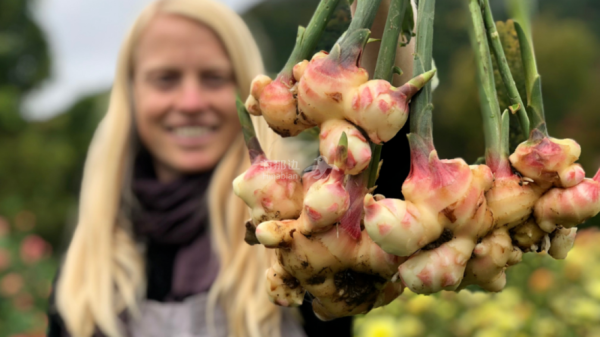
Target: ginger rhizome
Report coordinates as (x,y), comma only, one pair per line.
(344,274)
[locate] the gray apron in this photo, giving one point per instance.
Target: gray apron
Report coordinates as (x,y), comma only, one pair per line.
(188,319)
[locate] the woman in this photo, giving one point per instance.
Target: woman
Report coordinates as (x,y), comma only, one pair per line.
(160,237)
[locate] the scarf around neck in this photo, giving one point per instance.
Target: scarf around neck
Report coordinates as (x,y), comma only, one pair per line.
(173,219)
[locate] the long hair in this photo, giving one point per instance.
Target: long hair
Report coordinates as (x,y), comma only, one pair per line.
(103,272)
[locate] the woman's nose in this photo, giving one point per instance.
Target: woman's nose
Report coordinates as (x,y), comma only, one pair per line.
(192,98)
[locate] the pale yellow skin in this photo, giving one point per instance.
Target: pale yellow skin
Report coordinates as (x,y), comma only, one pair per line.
(511,200)
(491,258)
(529,237)
(562,242)
(359,150)
(281,287)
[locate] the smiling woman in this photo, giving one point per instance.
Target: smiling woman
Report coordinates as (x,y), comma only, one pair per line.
(184,92)
(159,247)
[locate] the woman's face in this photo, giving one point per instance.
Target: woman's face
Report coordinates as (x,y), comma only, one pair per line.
(184,95)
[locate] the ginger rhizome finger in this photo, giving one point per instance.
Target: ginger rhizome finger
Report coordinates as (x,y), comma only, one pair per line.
(445,208)
(490,259)
(272,190)
(275,99)
(332,86)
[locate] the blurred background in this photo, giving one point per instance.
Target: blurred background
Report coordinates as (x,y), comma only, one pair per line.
(56,64)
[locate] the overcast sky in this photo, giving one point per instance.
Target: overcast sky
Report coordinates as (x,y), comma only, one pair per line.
(84,38)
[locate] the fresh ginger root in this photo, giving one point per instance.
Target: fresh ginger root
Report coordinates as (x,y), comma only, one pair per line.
(333,87)
(562,240)
(344,275)
(272,190)
(490,259)
(276,102)
(568,207)
(549,161)
(359,150)
(444,215)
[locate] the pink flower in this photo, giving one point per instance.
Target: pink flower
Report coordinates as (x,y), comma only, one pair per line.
(33,248)
(11,284)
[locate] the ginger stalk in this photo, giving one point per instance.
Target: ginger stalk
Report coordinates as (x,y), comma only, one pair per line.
(275,99)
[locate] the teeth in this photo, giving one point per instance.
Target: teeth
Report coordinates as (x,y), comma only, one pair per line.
(191,131)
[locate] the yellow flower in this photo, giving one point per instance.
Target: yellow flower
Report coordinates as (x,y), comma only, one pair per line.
(586,309)
(472,299)
(380,326)
(419,304)
(593,288)
(411,326)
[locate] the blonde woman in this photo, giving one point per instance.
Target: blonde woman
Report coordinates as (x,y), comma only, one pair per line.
(159,246)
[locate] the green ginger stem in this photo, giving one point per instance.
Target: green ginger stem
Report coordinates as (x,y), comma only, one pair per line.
(366,10)
(490,109)
(384,69)
(308,37)
(421,106)
(521,11)
(248,130)
(507,78)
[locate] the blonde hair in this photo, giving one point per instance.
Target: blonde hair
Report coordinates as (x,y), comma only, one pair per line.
(103,272)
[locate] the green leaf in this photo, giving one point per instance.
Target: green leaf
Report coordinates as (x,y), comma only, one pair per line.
(528,59)
(533,82)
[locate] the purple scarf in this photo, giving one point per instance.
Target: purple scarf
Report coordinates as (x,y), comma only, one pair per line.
(174,222)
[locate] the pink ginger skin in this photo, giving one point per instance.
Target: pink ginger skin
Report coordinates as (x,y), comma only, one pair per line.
(433,190)
(442,268)
(330,89)
(549,161)
(276,102)
(359,151)
(325,202)
(490,259)
(344,275)
(271,189)
(568,207)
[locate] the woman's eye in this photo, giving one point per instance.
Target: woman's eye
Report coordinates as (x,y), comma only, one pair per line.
(165,80)
(215,81)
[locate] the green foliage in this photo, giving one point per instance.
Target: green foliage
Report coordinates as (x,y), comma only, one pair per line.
(24,59)
(26,271)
